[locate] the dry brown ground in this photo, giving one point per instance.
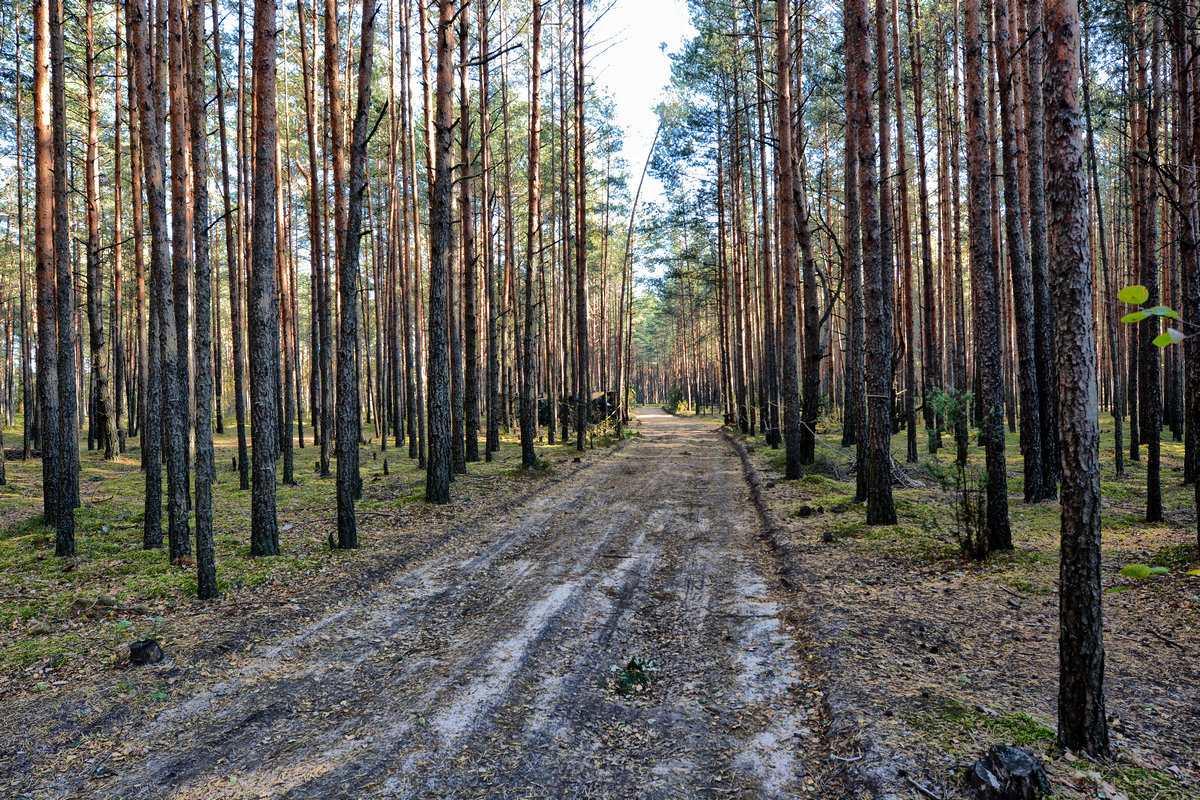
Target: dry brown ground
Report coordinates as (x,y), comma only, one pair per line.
(476,662)
(930,659)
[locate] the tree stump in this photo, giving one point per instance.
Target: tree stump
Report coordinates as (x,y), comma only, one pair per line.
(145,651)
(1006,773)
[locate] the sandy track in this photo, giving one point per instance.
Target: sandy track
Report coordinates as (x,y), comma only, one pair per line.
(483,672)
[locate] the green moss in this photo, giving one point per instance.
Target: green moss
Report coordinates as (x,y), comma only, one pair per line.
(1144,782)
(960,729)
(1175,557)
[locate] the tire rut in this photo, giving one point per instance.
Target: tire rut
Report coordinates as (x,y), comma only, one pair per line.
(484,672)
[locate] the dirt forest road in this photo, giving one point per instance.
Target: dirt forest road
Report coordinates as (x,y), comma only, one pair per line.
(485,671)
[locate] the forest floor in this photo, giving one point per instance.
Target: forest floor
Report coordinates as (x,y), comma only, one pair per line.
(931,658)
(611,629)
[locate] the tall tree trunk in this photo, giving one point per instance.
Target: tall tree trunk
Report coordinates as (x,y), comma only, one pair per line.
(116,312)
(233,256)
(174,324)
(347,396)
(854,430)
(1081,721)
(441,232)
(878,368)
(263,300)
(583,353)
(146,77)
(788,266)
(1149,367)
(470,261)
(102,407)
(526,368)
(909,332)
(1043,325)
(813,351)
(1022,280)
(983,272)
(1110,315)
(206,568)
(53,498)
(931,362)
(322,318)
(27,389)
(770,370)
(68,424)
(492,389)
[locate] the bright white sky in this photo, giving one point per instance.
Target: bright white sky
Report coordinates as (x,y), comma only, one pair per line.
(626,58)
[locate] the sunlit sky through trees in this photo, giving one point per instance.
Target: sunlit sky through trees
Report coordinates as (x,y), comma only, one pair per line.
(630,61)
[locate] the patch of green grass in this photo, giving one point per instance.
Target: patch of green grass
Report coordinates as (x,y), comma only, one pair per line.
(35,525)
(34,651)
(960,729)
(1138,781)
(1116,491)
(1175,557)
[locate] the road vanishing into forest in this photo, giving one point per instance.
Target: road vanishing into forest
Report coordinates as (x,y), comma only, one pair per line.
(486,670)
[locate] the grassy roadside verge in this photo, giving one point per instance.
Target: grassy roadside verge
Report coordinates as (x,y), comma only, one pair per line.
(932,658)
